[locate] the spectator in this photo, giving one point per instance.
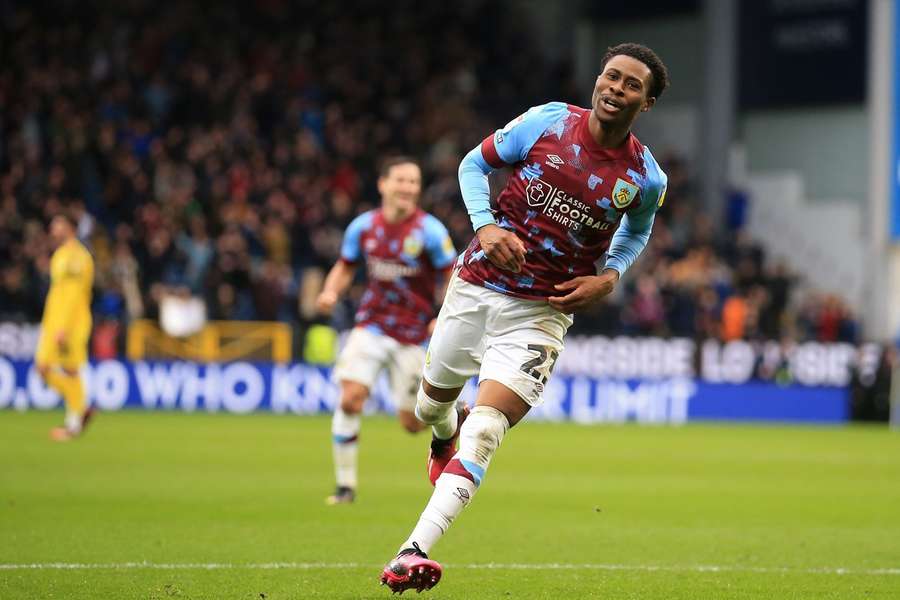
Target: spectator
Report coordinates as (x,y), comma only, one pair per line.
(194,162)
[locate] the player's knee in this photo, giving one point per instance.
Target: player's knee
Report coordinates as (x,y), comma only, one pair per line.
(352,405)
(482,432)
(430,410)
(353,397)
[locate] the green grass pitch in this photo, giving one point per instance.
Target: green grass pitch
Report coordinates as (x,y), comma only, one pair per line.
(163,505)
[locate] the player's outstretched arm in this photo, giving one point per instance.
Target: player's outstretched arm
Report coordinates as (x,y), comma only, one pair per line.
(504,147)
(633,233)
(501,247)
(627,244)
(475,188)
(341,275)
(581,292)
(336,283)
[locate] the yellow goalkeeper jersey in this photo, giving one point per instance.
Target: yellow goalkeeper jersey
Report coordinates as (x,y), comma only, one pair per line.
(68,306)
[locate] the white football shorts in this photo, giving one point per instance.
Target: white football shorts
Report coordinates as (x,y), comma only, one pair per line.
(507,339)
(366,353)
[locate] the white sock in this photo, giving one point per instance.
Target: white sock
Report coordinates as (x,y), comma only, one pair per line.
(442,416)
(479,439)
(451,494)
(73,422)
(345,444)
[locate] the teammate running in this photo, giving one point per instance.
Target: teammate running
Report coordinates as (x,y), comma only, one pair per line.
(582,185)
(408,255)
(66,325)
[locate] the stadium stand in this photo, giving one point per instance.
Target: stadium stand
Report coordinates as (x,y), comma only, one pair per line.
(224,162)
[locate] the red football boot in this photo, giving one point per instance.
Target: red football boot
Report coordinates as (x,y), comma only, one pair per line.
(443,450)
(412,569)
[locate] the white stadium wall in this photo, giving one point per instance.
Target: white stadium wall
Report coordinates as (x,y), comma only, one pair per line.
(823,241)
(827,147)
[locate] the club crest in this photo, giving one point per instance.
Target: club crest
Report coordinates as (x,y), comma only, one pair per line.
(623,193)
(412,246)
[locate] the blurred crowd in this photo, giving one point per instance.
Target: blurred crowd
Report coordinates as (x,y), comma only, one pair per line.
(219,151)
(699,278)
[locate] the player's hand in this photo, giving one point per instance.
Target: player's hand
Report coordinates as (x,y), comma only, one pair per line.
(325,302)
(502,247)
(584,291)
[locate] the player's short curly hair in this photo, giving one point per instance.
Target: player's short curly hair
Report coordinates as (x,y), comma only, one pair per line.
(648,57)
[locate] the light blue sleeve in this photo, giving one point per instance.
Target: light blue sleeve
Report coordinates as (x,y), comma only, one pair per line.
(514,141)
(351,250)
(506,146)
(476,191)
(438,243)
(633,233)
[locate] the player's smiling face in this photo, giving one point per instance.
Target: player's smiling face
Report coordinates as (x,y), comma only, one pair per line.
(400,189)
(622,91)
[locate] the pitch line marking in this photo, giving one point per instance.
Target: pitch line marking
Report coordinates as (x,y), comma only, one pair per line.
(495,566)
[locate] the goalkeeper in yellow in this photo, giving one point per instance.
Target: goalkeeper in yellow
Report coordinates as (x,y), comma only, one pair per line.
(66,325)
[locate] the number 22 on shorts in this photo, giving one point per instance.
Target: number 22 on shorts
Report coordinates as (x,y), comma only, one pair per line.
(540,366)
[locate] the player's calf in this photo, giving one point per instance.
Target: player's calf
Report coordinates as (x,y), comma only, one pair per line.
(442,451)
(480,436)
(345,428)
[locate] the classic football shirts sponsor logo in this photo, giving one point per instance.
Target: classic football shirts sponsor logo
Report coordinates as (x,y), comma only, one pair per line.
(385,270)
(562,207)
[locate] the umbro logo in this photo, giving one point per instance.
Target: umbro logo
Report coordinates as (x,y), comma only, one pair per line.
(463,494)
(554,161)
